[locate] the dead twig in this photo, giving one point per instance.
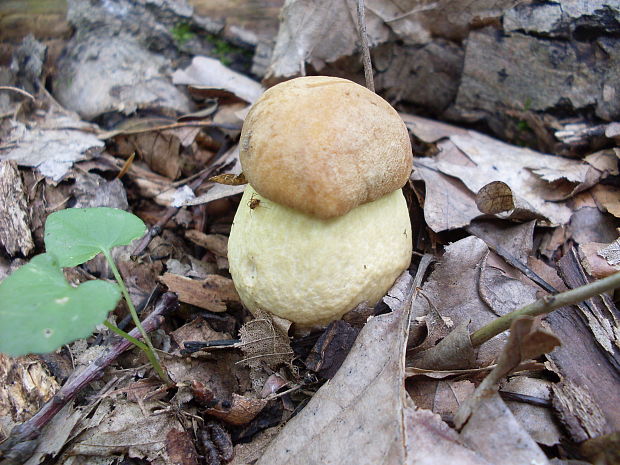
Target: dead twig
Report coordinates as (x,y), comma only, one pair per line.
(545,305)
(19,91)
(361,29)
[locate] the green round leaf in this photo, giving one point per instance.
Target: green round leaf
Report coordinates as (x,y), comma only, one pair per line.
(40,311)
(76,235)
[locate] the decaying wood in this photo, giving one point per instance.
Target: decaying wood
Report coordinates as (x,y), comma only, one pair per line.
(211,293)
(584,361)
(15,235)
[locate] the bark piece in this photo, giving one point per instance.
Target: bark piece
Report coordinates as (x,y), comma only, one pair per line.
(211,293)
(583,363)
(15,235)
(558,73)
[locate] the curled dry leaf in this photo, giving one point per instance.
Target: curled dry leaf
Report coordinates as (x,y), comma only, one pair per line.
(527,340)
(607,198)
(242,410)
(600,260)
(495,197)
(453,352)
(229,179)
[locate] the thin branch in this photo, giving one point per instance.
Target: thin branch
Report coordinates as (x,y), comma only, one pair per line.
(361,29)
(18,90)
(546,305)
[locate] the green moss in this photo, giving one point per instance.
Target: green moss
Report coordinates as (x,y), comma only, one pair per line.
(225,51)
(181,33)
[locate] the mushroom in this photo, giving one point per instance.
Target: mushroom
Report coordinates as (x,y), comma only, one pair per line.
(323,225)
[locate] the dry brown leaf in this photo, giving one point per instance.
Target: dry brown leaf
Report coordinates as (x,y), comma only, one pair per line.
(453,289)
(127,431)
(430,441)
(453,352)
(495,434)
(221,376)
(537,181)
(537,420)
(242,410)
(605,161)
(515,239)
(211,293)
(486,423)
(206,71)
(220,191)
(442,397)
(180,448)
(597,258)
(502,293)
(56,433)
(357,416)
(160,150)
(495,197)
(589,224)
(607,198)
(527,340)
(52,141)
(428,130)
(197,330)
(448,203)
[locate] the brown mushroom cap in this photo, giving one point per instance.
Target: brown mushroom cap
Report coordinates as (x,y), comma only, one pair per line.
(324,145)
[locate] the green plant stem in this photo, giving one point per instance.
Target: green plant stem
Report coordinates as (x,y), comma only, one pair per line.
(149,350)
(125,335)
(545,305)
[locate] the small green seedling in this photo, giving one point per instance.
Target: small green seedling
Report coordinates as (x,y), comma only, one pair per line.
(40,311)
